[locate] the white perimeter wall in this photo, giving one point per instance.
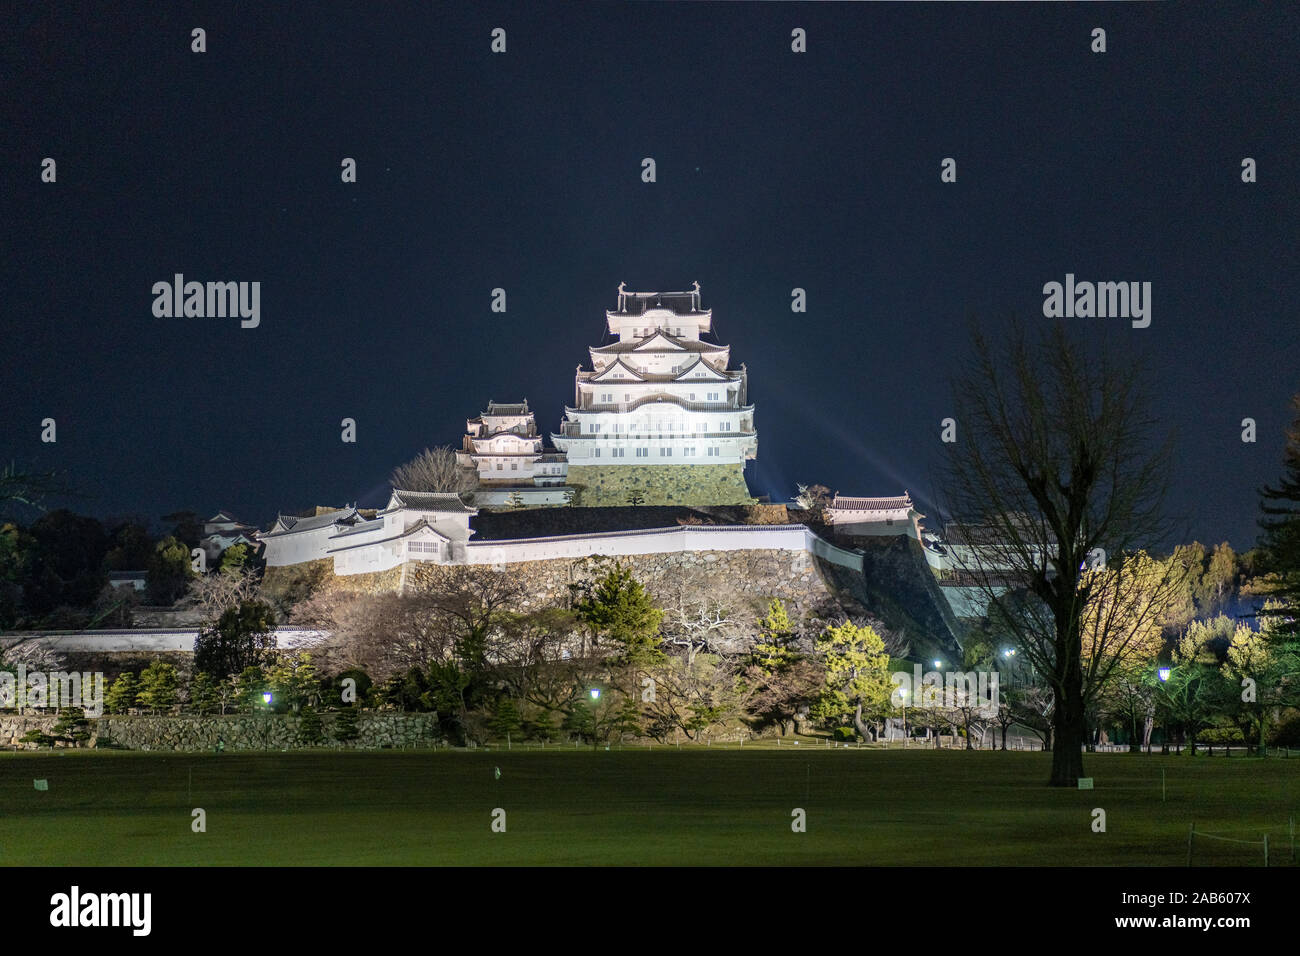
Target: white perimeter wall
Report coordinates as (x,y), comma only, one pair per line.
(146,639)
(794,537)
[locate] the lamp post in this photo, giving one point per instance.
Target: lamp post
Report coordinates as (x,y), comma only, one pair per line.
(937,664)
(593,695)
(1163,673)
(902,695)
(266,721)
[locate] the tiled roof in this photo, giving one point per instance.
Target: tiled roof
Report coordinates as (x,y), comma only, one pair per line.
(687,345)
(681,303)
(294,524)
(443,501)
(871,504)
(496,408)
(609,370)
(413,529)
(361,527)
(727,376)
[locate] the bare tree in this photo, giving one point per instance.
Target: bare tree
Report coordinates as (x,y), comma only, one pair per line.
(382,634)
(28,489)
(1059,461)
(704,625)
(694,694)
(435,469)
(475,603)
(215,592)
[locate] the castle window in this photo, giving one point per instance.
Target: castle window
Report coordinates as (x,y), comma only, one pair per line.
(713,451)
(665,453)
(643,452)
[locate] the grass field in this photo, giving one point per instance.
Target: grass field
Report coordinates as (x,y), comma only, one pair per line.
(693,806)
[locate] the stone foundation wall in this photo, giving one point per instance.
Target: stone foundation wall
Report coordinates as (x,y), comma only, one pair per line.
(742,582)
(370,582)
(289,584)
(244,732)
(609,485)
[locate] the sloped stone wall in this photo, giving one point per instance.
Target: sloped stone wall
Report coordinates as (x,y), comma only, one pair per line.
(609,485)
(742,582)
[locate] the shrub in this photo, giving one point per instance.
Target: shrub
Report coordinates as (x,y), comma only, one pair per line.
(310,729)
(346,725)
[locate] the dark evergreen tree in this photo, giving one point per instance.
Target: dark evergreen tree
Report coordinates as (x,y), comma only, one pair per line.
(242,637)
(1280,541)
(310,729)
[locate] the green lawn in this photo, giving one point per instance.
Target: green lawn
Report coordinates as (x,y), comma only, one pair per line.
(694,806)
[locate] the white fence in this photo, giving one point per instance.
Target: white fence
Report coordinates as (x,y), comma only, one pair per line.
(143,639)
(790,537)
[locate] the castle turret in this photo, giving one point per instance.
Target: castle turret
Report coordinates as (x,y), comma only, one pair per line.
(660,412)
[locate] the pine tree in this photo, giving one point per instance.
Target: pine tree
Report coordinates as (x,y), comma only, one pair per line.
(857,674)
(774,650)
(247,689)
(622,610)
(205,696)
(505,722)
(346,726)
(310,729)
(72,726)
(1280,541)
(122,695)
(157,686)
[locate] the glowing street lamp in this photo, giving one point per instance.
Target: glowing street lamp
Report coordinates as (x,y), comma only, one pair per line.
(1164,672)
(595,694)
(266,721)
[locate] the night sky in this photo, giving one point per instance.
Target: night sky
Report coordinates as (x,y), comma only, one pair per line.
(523,171)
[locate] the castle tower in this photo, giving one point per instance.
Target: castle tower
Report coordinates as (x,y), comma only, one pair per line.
(660,414)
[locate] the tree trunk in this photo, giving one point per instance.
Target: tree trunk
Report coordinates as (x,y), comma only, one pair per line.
(858,725)
(1070,732)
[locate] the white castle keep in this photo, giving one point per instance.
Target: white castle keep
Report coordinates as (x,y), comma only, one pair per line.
(660,395)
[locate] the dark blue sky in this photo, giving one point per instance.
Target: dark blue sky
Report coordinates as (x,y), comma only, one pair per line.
(522,171)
